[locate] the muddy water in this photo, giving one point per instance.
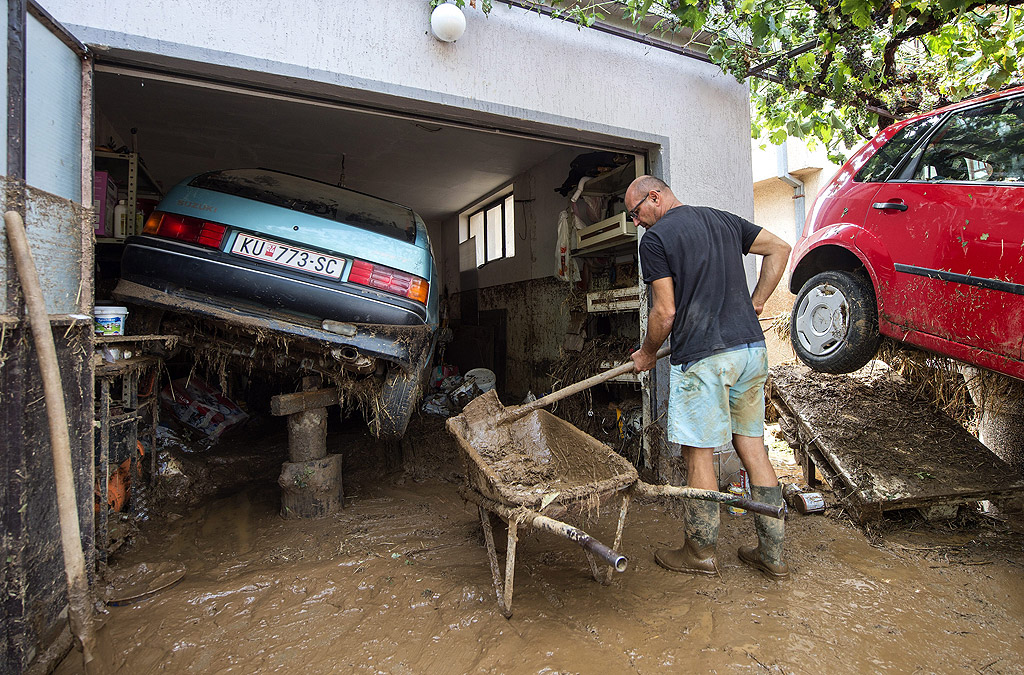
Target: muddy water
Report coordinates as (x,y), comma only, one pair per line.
(399,583)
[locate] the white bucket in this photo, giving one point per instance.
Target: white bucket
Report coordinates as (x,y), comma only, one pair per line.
(484,379)
(109,320)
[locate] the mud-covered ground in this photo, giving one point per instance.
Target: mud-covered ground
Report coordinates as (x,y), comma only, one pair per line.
(399,583)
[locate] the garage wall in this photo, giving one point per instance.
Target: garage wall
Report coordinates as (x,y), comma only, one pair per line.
(537,206)
(581,80)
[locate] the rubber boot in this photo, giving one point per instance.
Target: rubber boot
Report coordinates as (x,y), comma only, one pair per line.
(766,557)
(697,554)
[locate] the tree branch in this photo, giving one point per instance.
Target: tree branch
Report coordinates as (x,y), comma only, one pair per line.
(934,22)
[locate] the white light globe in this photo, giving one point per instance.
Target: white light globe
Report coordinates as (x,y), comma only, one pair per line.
(447,22)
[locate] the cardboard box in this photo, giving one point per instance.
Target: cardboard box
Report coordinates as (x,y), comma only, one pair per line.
(104,199)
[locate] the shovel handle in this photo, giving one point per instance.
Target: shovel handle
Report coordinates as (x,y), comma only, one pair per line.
(576,388)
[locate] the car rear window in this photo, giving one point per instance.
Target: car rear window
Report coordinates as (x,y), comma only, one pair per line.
(314,198)
(882,163)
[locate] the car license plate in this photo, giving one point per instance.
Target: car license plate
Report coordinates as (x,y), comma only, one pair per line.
(287,255)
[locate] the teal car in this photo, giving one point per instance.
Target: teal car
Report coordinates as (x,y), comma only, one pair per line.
(349,276)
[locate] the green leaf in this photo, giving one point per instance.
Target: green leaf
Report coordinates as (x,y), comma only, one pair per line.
(859,12)
(759,30)
(997,79)
(808,62)
(838,80)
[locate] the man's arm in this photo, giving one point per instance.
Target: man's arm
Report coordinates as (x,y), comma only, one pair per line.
(776,255)
(659,323)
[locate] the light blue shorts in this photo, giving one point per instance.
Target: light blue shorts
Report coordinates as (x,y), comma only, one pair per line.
(718,396)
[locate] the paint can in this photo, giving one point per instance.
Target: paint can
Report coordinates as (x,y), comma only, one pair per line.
(809,502)
(804,502)
(735,489)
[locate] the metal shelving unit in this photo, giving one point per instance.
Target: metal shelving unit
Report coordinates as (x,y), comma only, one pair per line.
(127,169)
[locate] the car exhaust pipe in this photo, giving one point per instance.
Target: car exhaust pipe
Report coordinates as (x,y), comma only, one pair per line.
(353,360)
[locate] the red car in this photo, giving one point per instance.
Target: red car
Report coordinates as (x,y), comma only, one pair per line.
(920,237)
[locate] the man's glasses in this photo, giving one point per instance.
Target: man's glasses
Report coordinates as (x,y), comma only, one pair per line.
(635,213)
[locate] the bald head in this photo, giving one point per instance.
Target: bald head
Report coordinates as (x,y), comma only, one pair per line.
(645,184)
(648,198)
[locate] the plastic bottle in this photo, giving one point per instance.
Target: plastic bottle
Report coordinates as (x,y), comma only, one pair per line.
(120,220)
(140,221)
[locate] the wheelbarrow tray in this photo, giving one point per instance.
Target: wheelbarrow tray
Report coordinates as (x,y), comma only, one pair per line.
(538,461)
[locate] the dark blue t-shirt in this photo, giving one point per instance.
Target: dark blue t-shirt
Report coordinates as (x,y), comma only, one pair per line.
(702,250)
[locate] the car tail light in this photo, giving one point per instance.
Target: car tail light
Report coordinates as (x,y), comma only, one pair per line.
(387,279)
(185,228)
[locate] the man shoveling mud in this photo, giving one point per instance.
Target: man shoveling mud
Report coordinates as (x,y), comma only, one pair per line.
(692,258)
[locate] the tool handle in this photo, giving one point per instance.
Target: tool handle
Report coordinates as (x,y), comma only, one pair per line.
(576,388)
(648,490)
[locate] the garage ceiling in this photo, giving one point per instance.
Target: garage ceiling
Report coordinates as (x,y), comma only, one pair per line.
(185,129)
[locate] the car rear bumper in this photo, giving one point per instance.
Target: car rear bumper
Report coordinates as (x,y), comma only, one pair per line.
(169,266)
(406,346)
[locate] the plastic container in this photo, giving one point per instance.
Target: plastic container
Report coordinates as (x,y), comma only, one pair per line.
(103,198)
(109,320)
(738,491)
(484,379)
(120,220)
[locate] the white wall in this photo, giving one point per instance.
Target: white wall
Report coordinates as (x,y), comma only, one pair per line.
(773,199)
(536,225)
(511,63)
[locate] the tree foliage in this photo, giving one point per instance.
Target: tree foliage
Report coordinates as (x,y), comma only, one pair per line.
(837,70)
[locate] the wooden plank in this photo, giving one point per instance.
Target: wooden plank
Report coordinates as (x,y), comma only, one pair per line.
(300,401)
(114,339)
(123,367)
(889,450)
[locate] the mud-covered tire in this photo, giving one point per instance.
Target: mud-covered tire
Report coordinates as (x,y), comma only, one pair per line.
(397,399)
(834,324)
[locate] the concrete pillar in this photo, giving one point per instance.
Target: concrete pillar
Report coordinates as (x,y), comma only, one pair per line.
(1001,403)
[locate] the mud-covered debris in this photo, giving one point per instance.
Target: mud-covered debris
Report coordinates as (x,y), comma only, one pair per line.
(202,407)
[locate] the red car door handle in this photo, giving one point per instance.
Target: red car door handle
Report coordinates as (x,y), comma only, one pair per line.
(889,205)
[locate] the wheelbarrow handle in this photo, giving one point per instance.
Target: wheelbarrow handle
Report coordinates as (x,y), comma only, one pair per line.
(611,557)
(536,520)
(648,490)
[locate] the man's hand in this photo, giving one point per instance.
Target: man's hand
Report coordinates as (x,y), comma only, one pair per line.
(643,361)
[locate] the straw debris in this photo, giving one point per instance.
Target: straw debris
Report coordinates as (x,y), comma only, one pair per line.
(938,380)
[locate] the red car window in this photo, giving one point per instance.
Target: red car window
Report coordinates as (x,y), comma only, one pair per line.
(980,145)
(883,162)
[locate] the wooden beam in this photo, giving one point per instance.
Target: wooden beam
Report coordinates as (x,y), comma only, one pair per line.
(301,401)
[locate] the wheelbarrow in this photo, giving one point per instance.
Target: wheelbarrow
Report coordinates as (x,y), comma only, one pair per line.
(531,468)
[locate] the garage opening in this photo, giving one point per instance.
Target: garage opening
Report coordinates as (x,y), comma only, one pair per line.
(535,266)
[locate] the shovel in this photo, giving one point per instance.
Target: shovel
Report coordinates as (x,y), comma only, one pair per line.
(482,419)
